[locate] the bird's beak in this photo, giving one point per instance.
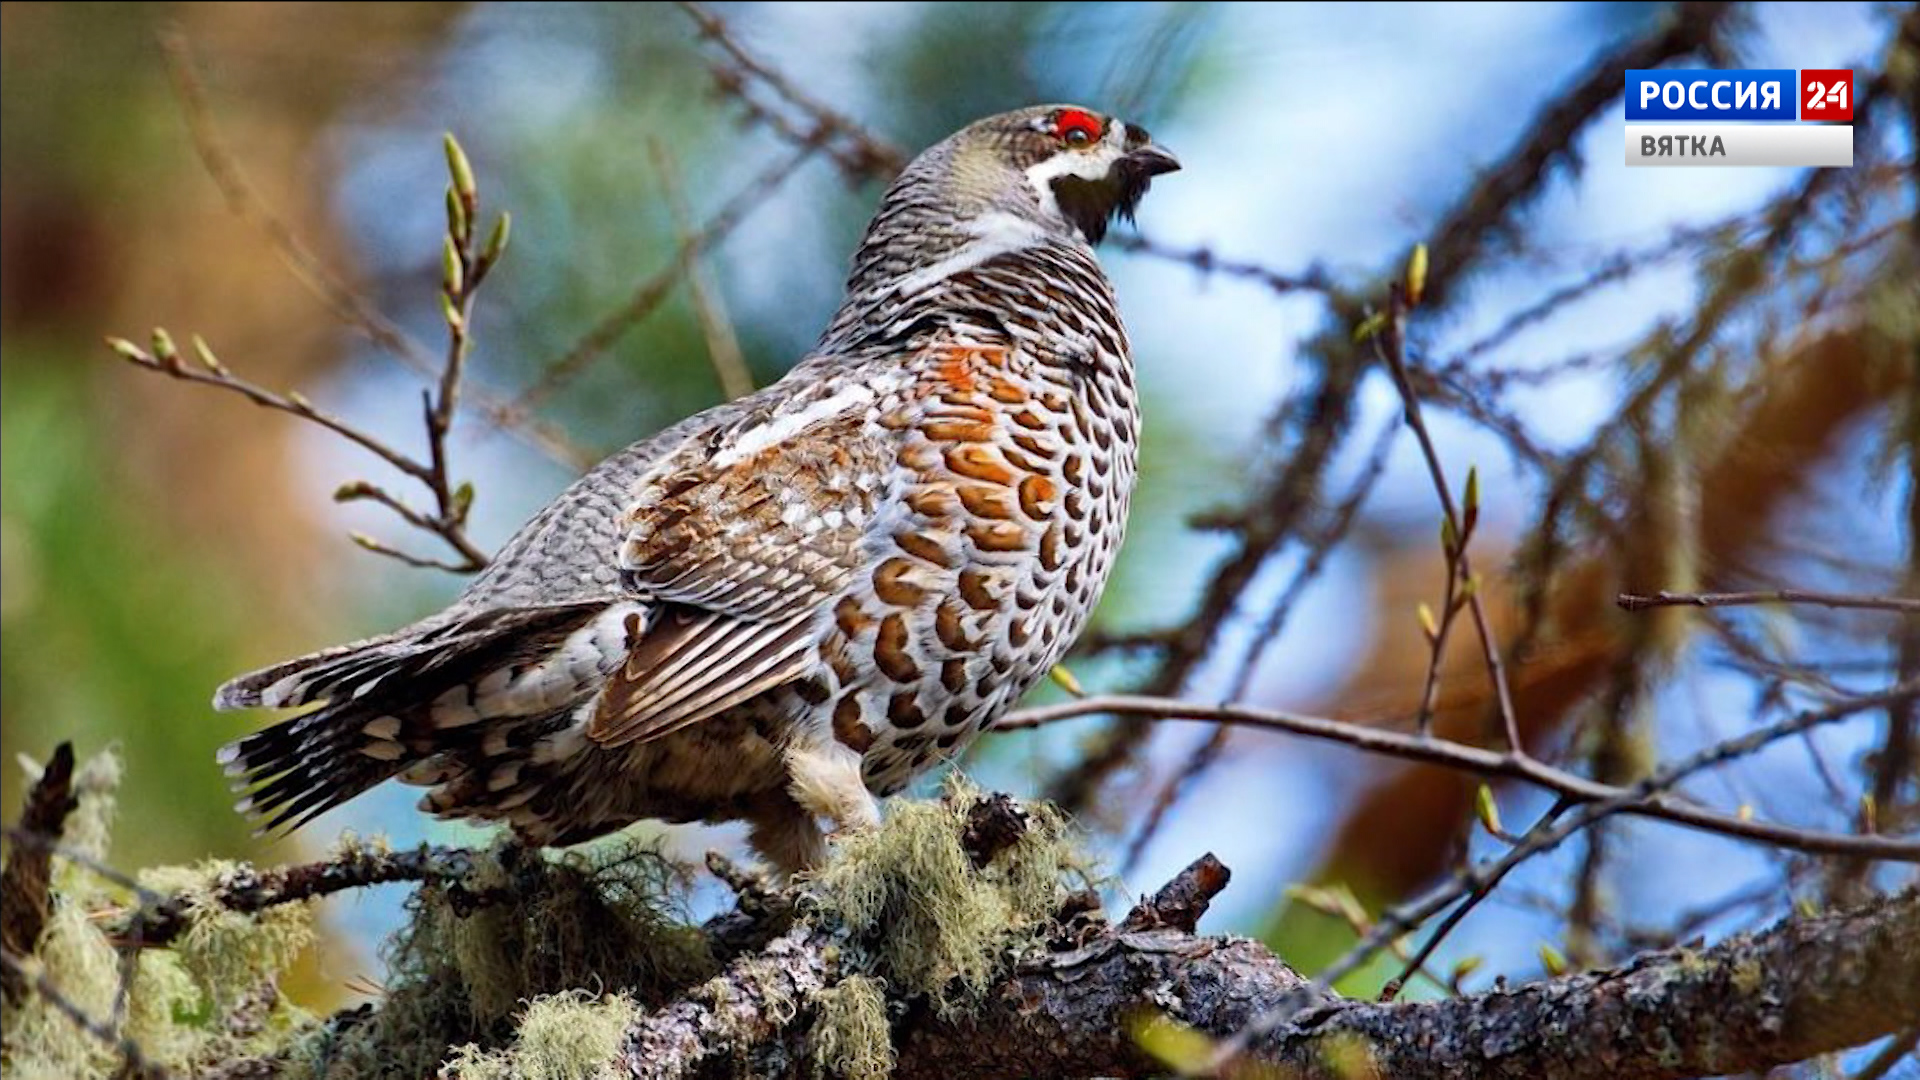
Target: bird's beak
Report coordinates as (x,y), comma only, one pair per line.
(1151,160)
(1144,157)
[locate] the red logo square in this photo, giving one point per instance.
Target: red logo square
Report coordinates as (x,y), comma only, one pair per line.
(1826,94)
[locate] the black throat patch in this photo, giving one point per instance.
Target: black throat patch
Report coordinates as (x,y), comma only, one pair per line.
(1093,204)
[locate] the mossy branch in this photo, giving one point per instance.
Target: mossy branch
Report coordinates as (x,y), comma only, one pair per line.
(24,884)
(247,891)
(1805,987)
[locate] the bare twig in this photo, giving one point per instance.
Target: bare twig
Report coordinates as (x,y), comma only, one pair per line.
(1203,259)
(31,974)
(1511,766)
(859,153)
(466,261)
(723,345)
(1482,889)
(1901,604)
(1325,540)
(351,307)
(650,293)
(1390,347)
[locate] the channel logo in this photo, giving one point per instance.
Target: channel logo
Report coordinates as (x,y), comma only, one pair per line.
(1749,117)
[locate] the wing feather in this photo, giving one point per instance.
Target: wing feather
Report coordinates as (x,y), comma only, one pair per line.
(742,538)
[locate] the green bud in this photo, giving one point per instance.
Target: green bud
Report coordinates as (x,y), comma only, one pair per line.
(1416,274)
(127,350)
(453,276)
(1551,959)
(461,170)
(205,353)
(497,239)
(1489,810)
(457,222)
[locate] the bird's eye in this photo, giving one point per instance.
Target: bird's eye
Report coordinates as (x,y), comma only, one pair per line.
(1077,128)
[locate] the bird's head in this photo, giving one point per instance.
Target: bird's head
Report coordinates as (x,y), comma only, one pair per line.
(1066,169)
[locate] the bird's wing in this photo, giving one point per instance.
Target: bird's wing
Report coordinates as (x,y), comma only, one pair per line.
(739,539)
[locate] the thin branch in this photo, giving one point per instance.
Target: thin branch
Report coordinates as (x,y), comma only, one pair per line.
(650,293)
(1901,604)
(1202,258)
(349,306)
(723,345)
(135,1063)
(165,359)
(1389,346)
(1482,889)
(1335,529)
(466,261)
(1508,765)
(247,890)
(859,153)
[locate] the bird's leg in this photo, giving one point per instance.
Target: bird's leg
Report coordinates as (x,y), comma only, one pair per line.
(826,781)
(786,836)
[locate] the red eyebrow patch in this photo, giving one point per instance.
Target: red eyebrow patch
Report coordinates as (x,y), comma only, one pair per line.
(1071,120)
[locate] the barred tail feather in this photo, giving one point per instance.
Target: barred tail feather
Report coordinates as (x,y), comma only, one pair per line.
(313,677)
(302,767)
(383,705)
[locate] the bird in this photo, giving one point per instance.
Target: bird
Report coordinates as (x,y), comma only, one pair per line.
(786,607)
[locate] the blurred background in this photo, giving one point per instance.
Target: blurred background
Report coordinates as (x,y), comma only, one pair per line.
(1624,359)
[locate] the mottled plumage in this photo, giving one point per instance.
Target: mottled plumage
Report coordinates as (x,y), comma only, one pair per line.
(784,606)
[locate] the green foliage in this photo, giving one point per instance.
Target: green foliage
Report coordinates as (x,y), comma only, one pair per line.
(83,656)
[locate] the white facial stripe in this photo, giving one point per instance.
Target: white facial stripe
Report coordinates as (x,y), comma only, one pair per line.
(1089,164)
(782,428)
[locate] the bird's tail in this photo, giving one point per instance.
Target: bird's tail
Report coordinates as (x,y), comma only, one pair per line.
(381,705)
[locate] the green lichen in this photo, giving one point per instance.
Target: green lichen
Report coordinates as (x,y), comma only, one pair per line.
(935,924)
(1347,1055)
(182,1007)
(566,1036)
(535,964)
(230,953)
(523,927)
(850,1038)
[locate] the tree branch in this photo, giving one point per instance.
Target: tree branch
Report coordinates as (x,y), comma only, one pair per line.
(1803,988)
(25,881)
(1901,604)
(1507,765)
